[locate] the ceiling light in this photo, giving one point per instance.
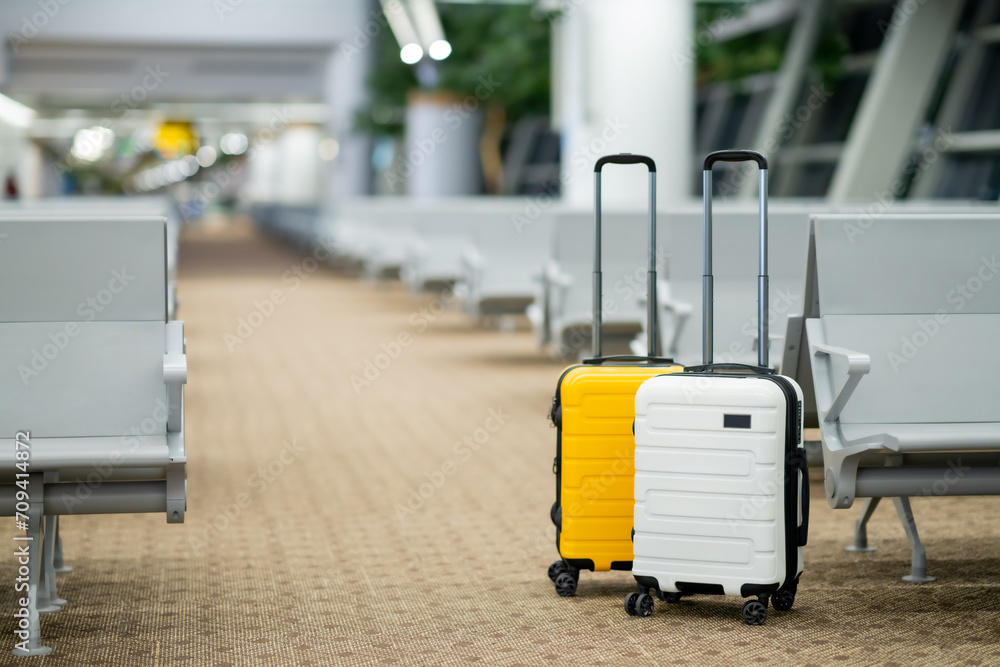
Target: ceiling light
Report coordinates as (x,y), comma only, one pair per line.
(439,50)
(411,53)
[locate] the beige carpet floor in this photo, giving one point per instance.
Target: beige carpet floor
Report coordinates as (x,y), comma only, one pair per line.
(296,552)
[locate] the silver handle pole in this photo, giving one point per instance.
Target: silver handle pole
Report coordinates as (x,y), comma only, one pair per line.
(763,341)
(652,302)
(596,332)
(707,290)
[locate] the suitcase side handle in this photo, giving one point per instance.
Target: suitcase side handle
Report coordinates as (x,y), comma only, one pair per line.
(652,306)
(597,361)
(712,368)
(803,466)
(708,293)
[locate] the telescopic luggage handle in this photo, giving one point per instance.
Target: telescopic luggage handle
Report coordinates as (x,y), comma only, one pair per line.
(652,327)
(708,294)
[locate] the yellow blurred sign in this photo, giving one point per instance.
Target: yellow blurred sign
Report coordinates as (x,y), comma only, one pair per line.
(176,139)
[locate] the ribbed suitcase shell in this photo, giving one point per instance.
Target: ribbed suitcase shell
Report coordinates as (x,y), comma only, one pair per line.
(710,495)
(594,464)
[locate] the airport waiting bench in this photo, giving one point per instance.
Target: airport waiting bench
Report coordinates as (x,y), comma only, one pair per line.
(562,312)
(901,330)
(440,234)
(149,205)
(735,231)
(511,239)
(374,233)
(92,393)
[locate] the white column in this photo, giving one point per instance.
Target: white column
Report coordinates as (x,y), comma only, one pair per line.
(299,168)
(441,148)
(346,92)
(624,83)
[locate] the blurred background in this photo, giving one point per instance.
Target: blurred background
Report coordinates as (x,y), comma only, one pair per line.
(227,104)
(379,238)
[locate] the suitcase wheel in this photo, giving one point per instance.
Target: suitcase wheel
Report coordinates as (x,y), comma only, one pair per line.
(644,605)
(556,569)
(783,599)
(754,612)
(566,584)
(630,601)
(670,598)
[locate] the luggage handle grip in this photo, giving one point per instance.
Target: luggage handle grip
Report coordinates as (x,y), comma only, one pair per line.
(705,368)
(597,361)
(803,466)
(735,156)
(652,305)
(625,158)
(708,294)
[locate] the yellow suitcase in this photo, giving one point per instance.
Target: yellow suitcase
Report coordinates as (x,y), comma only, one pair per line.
(593,411)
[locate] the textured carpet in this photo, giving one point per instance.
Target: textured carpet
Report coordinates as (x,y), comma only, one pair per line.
(297,548)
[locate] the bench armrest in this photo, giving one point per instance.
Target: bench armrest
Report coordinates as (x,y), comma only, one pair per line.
(175,377)
(859,364)
(174,368)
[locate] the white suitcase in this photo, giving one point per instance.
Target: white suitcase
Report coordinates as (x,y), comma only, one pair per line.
(721,483)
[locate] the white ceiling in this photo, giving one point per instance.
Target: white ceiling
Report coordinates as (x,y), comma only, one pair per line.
(90,53)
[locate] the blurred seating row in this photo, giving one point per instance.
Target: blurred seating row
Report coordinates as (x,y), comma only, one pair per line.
(514,256)
(93,418)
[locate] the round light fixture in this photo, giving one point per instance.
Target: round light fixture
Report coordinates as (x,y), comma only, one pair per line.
(206,156)
(439,50)
(411,54)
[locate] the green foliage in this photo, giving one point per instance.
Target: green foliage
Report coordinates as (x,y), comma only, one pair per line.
(759,52)
(742,57)
(506,44)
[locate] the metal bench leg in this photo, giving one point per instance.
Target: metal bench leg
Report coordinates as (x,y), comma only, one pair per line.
(861,527)
(32,645)
(49,568)
(918,570)
(57,560)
